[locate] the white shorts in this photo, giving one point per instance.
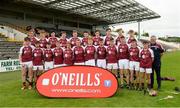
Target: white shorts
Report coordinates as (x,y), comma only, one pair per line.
(147,70)
(123,64)
(133,65)
(90,62)
(27,64)
(112,66)
(59,65)
(40,67)
(101,63)
(48,65)
(82,63)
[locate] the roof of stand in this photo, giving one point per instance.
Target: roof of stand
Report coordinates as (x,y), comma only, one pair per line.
(110,11)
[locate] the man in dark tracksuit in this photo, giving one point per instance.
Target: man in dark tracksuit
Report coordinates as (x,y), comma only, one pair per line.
(156,66)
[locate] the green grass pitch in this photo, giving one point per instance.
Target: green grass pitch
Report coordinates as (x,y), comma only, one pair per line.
(12,96)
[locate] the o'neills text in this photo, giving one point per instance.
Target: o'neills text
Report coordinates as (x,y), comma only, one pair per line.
(76,79)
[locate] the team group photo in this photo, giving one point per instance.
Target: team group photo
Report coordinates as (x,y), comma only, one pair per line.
(89,53)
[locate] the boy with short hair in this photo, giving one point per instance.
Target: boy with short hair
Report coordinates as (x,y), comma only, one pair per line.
(78,51)
(123,57)
(90,52)
(101,54)
(134,51)
(48,57)
(111,57)
(146,60)
(58,55)
(37,61)
(25,58)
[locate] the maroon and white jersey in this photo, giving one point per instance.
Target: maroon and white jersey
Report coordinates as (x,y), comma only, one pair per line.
(43,42)
(78,54)
(117,41)
(26,53)
(101,52)
(129,40)
(107,40)
(53,41)
(123,51)
(96,40)
(90,51)
(37,57)
(73,41)
(111,54)
(85,41)
(146,58)
(134,54)
(48,55)
(58,56)
(68,56)
(63,42)
(33,40)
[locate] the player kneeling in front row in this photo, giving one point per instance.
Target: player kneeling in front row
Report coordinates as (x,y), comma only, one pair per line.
(37,61)
(134,64)
(123,56)
(48,57)
(25,58)
(146,59)
(90,52)
(112,57)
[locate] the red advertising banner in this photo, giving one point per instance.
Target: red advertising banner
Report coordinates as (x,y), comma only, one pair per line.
(77,82)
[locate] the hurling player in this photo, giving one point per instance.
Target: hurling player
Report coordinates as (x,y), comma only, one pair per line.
(74,38)
(78,51)
(111,57)
(134,51)
(90,52)
(37,61)
(96,38)
(123,57)
(120,34)
(131,37)
(108,37)
(85,38)
(48,57)
(146,60)
(63,40)
(25,58)
(101,54)
(52,40)
(43,41)
(68,55)
(58,55)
